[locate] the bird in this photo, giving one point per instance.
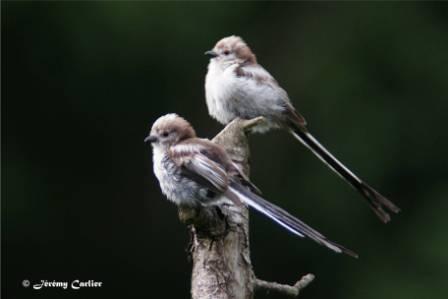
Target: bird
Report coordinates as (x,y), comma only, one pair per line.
(237,86)
(195,172)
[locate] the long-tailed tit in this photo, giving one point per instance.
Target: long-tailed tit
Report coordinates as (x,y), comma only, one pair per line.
(195,172)
(237,86)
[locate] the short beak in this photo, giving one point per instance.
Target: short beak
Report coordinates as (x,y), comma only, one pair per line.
(150,139)
(211,53)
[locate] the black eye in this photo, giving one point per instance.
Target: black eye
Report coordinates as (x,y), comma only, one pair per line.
(226,52)
(165,134)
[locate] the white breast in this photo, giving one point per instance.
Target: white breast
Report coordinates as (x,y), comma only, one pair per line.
(219,90)
(162,174)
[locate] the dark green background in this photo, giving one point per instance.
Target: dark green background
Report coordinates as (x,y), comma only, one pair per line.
(83,82)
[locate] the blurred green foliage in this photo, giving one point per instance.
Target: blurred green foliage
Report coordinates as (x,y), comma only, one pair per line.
(83,82)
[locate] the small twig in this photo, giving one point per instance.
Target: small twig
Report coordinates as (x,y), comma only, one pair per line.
(284,288)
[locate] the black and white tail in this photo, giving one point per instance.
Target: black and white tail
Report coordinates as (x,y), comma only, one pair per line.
(283,218)
(376,201)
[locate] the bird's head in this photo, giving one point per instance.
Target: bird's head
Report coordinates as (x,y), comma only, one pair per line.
(168,130)
(231,50)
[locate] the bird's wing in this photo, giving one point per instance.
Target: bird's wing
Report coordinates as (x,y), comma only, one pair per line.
(209,165)
(201,166)
(197,165)
(259,89)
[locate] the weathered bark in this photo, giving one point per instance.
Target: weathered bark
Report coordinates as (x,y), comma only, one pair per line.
(220,250)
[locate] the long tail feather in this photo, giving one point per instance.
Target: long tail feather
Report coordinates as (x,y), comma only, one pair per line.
(283,218)
(376,201)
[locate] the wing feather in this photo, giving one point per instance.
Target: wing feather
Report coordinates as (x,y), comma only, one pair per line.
(197,163)
(209,170)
